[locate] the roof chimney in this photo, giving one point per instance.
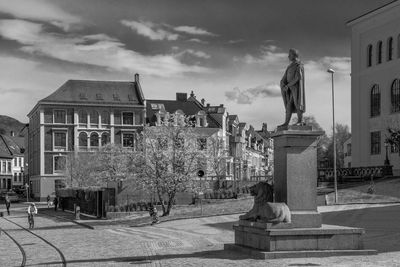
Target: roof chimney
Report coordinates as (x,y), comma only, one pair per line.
(221,105)
(203,101)
(192,94)
(181,96)
(137,77)
(208,105)
(12,133)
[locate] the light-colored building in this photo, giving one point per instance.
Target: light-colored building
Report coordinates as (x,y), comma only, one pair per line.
(81,115)
(11,162)
(375,85)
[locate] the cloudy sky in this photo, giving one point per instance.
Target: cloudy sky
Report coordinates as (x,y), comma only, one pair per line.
(226,51)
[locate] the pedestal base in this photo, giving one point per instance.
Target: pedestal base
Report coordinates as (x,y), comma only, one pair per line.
(266,255)
(280,240)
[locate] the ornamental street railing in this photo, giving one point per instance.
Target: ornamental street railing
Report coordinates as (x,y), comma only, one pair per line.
(343,174)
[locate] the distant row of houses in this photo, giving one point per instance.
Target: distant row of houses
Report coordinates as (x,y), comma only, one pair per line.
(11,161)
(84,115)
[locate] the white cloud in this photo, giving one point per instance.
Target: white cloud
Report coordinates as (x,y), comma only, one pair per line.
(196,53)
(150,30)
(196,40)
(248,96)
(193,30)
(268,56)
(98,50)
(39,10)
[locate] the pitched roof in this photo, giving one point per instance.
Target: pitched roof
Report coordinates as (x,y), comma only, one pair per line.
(373,12)
(11,146)
(99,92)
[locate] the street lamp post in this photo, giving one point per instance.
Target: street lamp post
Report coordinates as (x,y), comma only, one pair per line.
(331,71)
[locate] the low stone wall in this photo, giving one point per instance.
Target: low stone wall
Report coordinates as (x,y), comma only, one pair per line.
(117,215)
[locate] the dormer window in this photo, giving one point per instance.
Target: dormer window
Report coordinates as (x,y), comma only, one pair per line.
(116,97)
(99,97)
(131,98)
(83,96)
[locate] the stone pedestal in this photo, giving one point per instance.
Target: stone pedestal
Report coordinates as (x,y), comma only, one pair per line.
(295,173)
(295,183)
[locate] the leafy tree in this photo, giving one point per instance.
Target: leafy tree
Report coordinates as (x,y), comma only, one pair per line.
(170,159)
(394,139)
(110,163)
(342,134)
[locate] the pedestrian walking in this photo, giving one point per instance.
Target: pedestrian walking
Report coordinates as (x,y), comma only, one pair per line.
(32,210)
(153,214)
(55,202)
(48,201)
(8,204)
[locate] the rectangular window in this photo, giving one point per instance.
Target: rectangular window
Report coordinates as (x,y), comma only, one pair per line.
(138,119)
(4,168)
(60,163)
(60,141)
(59,116)
(20,177)
(128,139)
(20,162)
(127,118)
(15,177)
(375,143)
(9,167)
(228,168)
(348,150)
(202,143)
(15,162)
(162,143)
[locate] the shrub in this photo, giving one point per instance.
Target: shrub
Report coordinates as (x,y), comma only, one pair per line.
(111,208)
(121,208)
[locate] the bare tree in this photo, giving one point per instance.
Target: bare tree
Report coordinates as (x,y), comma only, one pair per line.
(170,157)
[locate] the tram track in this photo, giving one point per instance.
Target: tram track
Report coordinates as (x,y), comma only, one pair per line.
(25,257)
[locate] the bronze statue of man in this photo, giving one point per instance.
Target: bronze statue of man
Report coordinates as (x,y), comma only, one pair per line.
(292,89)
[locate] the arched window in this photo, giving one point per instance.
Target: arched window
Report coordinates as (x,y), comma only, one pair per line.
(83,139)
(379,53)
(105,139)
(94,140)
(395,95)
(105,118)
(375,101)
(369,55)
(82,117)
(94,118)
(389,52)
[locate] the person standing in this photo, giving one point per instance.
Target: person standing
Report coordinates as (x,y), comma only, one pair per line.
(8,204)
(32,210)
(55,202)
(48,201)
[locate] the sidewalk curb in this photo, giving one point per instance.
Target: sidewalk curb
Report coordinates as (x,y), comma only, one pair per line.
(74,221)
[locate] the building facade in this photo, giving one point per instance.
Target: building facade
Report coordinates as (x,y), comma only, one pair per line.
(11,162)
(80,116)
(375,85)
(248,152)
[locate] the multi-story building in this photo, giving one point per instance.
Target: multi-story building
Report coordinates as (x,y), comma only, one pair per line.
(11,161)
(375,84)
(244,159)
(81,115)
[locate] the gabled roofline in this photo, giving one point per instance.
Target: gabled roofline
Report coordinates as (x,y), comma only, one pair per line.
(372,13)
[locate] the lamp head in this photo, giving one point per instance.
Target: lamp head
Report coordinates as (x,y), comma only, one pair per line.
(330,71)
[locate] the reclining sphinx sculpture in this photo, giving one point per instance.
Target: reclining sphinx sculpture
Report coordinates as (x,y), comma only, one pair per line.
(264,209)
